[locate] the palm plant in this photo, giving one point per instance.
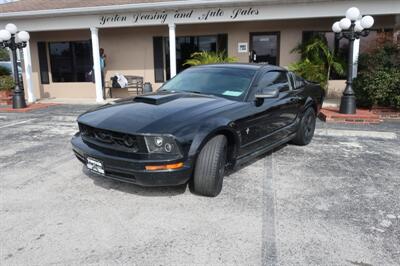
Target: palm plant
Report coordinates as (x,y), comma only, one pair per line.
(205,57)
(317,61)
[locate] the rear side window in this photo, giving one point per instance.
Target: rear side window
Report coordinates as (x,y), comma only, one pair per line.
(298,82)
(274,78)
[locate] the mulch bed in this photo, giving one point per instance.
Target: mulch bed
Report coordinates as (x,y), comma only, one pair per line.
(29,108)
(374,115)
(362,116)
(386,112)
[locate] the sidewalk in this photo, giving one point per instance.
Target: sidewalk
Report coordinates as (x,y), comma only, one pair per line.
(331,103)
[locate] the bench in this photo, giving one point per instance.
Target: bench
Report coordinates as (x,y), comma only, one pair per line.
(135,84)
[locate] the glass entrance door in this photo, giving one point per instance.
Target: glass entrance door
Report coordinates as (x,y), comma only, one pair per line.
(264,48)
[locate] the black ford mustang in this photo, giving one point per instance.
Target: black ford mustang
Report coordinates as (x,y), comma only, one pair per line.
(202,121)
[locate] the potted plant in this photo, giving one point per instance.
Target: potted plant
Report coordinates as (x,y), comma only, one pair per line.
(205,57)
(317,61)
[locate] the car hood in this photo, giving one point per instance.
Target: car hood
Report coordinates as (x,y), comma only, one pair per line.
(155,113)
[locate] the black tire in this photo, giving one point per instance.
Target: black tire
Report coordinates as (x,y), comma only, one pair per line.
(306,129)
(210,167)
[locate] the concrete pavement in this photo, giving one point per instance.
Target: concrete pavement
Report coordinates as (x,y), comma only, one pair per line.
(333,202)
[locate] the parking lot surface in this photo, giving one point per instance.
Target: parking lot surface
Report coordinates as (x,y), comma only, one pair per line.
(333,202)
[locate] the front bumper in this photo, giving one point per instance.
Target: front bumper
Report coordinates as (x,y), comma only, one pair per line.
(132,171)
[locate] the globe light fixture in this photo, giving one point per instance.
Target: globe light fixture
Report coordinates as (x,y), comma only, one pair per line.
(352,27)
(5,35)
(23,36)
(358,27)
(336,27)
(11,28)
(353,13)
(367,22)
(14,40)
(345,23)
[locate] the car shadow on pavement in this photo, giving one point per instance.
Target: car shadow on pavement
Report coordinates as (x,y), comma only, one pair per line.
(111,184)
(239,167)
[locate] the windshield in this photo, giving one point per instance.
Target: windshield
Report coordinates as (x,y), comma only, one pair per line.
(225,82)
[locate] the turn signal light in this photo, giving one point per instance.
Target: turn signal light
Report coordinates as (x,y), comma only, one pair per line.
(164,167)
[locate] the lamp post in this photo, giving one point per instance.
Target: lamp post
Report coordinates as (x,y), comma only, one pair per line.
(14,40)
(352,27)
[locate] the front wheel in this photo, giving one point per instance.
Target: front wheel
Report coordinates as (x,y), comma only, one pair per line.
(210,167)
(306,129)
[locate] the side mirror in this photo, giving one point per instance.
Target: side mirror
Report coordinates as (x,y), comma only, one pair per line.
(267,93)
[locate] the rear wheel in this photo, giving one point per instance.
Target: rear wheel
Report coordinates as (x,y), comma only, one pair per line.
(306,129)
(210,167)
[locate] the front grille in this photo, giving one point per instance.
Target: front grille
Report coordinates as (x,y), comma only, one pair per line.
(110,139)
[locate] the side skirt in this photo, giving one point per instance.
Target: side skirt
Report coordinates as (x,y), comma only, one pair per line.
(264,150)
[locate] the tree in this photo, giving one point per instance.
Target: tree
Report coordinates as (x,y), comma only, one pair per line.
(204,57)
(317,61)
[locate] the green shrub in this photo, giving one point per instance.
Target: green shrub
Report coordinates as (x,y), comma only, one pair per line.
(384,57)
(4,71)
(6,83)
(381,88)
(378,79)
(204,58)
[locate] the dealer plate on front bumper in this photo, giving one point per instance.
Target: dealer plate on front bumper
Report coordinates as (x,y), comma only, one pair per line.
(95,166)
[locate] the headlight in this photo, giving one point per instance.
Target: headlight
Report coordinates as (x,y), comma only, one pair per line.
(161,144)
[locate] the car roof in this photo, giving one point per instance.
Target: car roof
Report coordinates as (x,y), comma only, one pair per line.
(253,66)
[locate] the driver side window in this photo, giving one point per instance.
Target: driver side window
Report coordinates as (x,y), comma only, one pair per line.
(274,79)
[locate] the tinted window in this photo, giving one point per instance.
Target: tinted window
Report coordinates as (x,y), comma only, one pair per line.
(273,78)
(187,45)
(71,61)
(298,82)
(43,65)
(292,80)
(158,59)
(264,48)
(225,82)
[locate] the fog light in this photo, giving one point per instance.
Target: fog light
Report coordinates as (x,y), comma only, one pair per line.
(164,167)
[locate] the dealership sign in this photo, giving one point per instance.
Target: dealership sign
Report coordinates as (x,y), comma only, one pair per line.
(180,16)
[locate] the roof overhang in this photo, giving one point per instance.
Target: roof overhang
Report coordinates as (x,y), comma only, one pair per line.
(167,5)
(91,17)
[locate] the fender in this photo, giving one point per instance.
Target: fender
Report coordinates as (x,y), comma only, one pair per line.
(309,103)
(209,129)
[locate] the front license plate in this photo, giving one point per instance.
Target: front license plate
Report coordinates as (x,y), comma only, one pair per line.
(95,166)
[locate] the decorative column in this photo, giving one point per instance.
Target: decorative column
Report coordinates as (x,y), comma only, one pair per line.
(96,64)
(28,72)
(172,49)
